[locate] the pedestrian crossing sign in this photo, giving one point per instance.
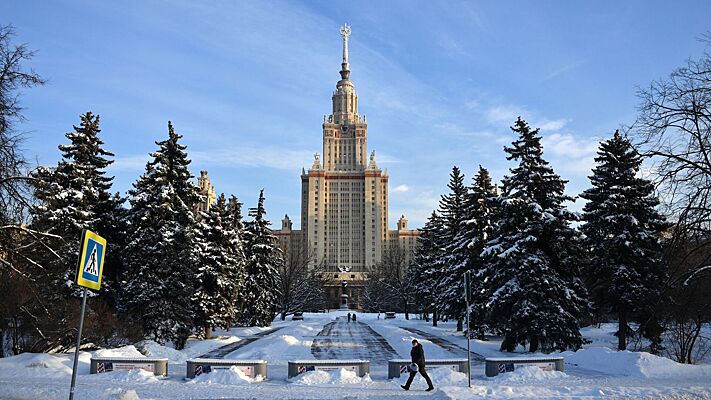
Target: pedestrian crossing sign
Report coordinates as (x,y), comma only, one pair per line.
(91,260)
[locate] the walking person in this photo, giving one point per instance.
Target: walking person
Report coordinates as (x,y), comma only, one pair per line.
(354,317)
(349,317)
(417,354)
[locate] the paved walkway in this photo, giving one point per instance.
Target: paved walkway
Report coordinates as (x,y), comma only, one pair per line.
(351,340)
(446,344)
(222,351)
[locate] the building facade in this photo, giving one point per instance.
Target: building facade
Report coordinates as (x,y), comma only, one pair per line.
(344,200)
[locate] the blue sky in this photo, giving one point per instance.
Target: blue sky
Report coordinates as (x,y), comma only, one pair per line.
(247,83)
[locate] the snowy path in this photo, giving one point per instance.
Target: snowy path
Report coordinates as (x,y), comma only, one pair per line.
(351,340)
(222,351)
(446,344)
(592,373)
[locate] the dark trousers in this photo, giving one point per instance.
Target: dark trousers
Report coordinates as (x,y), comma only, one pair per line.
(424,375)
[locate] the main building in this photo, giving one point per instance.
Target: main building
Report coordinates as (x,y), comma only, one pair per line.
(344,201)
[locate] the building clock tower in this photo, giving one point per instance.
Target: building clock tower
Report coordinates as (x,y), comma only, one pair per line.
(344,198)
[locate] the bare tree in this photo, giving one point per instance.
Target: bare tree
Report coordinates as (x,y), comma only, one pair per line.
(19,299)
(388,287)
(301,286)
(15,196)
(674,130)
(689,307)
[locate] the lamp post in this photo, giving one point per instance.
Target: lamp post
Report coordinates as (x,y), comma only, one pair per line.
(467,291)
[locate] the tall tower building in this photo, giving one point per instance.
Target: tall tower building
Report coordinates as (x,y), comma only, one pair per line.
(344,197)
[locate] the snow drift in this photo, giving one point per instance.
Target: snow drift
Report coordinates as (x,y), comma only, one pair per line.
(226,376)
(337,377)
(633,364)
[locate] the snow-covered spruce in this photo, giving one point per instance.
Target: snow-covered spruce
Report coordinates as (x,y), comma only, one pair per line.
(161,257)
(262,258)
(480,211)
(73,196)
(220,273)
(531,258)
(424,274)
(452,263)
(623,231)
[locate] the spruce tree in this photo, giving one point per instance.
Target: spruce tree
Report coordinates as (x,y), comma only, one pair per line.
(480,221)
(72,197)
(424,274)
(623,231)
(161,257)
(236,221)
(220,268)
(262,260)
(452,263)
(536,294)
(75,196)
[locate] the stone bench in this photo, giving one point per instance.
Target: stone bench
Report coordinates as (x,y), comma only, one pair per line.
(159,366)
(251,368)
(297,367)
(298,316)
(399,366)
(389,315)
(495,366)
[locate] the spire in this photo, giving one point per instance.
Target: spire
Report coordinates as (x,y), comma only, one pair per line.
(345,33)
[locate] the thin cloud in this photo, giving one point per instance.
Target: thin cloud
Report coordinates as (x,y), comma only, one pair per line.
(551,125)
(400,189)
(562,70)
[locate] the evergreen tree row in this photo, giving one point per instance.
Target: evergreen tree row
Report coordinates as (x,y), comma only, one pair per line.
(535,279)
(169,266)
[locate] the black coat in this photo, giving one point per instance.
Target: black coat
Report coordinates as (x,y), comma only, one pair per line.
(418,355)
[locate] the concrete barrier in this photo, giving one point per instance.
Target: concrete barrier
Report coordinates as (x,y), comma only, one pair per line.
(399,366)
(251,368)
(297,367)
(159,366)
(495,366)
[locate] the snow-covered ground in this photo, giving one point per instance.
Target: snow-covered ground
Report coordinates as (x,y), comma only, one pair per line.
(594,372)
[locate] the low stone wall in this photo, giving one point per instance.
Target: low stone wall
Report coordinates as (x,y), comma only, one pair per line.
(251,368)
(495,366)
(159,366)
(297,367)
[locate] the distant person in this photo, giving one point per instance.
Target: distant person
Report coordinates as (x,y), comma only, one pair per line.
(349,317)
(378,315)
(354,317)
(417,354)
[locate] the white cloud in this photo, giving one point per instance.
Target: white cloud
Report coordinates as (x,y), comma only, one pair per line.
(504,114)
(569,146)
(551,125)
(400,189)
(570,154)
(417,208)
(135,162)
(243,156)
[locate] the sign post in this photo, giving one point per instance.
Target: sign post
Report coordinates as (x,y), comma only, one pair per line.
(467,291)
(89,271)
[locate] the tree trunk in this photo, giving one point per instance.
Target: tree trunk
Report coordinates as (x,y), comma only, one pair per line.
(207,331)
(434,317)
(283,315)
(460,325)
(533,347)
(622,331)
